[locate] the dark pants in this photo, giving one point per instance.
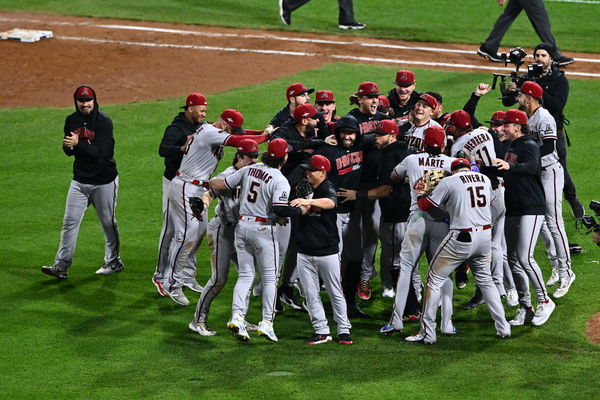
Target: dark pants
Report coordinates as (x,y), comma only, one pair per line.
(561,149)
(537,14)
(346,9)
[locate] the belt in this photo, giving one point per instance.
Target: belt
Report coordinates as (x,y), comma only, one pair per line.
(256,219)
(196,182)
(479,228)
(548,166)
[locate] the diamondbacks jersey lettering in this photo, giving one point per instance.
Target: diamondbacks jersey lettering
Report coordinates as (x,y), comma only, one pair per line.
(467,197)
(228,209)
(262,187)
(542,126)
(478,145)
(203,153)
(415,134)
(414,166)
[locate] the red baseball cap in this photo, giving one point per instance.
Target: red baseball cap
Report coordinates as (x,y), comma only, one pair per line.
(368,89)
(532,89)
(497,118)
(386,127)
(405,77)
(278,148)
(85,93)
(305,111)
(460,119)
(460,163)
(324,96)
(318,163)
(434,136)
(429,100)
(248,147)
(296,89)
(515,116)
(384,103)
(195,99)
(235,119)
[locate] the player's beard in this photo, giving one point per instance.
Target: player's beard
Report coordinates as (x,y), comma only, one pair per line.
(310,130)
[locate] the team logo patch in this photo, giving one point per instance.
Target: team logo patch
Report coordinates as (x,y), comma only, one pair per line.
(283,197)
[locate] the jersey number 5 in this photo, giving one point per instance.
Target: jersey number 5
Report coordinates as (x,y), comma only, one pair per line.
(478,198)
(252,193)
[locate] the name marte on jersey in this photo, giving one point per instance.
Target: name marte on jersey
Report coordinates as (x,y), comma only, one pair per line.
(431,162)
(476,140)
(262,175)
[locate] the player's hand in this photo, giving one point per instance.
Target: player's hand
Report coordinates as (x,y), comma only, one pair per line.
(331,140)
(305,210)
(71,141)
(500,2)
(186,145)
(300,203)
(347,194)
(420,187)
(501,164)
(482,89)
(269,129)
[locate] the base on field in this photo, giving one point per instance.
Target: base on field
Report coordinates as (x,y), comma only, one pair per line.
(25,35)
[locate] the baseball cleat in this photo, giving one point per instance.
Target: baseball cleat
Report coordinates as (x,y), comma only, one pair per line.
(201,329)
(388,329)
(193,286)
(543,312)
(250,327)
(344,338)
(501,335)
(563,60)
(352,25)
(158,285)
(553,277)
(388,293)
(237,327)
(473,303)
(364,290)
(177,296)
(412,318)
(563,286)
(265,328)
(284,14)
(112,268)
(354,311)
(524,316)
(490,55)
(318,339)
(512,298)
(288,299)
(451,332)
(417,337)
(53,270)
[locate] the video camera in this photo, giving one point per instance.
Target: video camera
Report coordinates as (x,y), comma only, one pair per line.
(515,56)
(589,222)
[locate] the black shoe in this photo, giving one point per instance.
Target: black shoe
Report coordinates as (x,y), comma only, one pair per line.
(352,25)
(345,338)
(574,248)
(576,208)
(564,60)
(355,312)
(318,339)
(53,270)
(490,55)
(461,279)
(284,14)
(474,302)
(290,301)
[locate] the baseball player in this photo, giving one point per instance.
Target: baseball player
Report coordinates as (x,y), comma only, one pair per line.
(346,15)
(466,196)
(172,147)
(403,96)
(542,127)
(221,237)
(325,104)
(420,119)
(263,198)
(423,233)
(181,230)
(88,137)
(297,94)
(318,244)
(525,208)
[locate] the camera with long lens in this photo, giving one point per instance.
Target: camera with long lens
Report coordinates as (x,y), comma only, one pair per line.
(515,57)
(588,223)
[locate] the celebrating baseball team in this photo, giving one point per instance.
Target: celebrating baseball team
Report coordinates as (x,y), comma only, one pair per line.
(308,214)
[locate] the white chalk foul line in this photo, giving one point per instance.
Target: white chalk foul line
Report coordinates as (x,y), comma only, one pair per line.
(266,36)
(302,54)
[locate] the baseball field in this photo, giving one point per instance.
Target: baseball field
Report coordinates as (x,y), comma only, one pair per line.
(113,337)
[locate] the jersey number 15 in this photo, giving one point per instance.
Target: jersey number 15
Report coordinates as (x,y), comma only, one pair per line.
(478,198)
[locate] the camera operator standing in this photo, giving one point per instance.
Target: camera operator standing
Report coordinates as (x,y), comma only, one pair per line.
(556,92)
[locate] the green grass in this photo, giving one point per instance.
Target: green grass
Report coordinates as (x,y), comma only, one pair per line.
(468,21)
(112,337)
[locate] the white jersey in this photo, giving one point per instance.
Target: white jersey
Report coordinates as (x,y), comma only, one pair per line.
(414,166)
(414,137)
(466,196)
(203,153)
(262,187)
(542,126)
(228,209)
(478,145)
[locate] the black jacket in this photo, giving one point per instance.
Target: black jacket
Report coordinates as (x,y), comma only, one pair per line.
(396,207)
(302,147)
(94,163)
(174,137)
(400,111)
(283,117)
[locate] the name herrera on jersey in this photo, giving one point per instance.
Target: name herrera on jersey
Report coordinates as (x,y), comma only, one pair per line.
(471,178)
(431,162)
(474,141)
(262,175)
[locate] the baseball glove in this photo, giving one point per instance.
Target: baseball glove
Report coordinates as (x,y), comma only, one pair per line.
(303,189)
(431,179)
(197,206)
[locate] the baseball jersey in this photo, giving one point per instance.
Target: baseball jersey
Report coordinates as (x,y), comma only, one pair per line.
(478,145)
(414,166)
(415,134)
(203,153)
(542,126)
(262,187)
(228,209)
(466,197)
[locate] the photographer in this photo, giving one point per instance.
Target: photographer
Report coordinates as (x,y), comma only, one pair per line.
(556,92)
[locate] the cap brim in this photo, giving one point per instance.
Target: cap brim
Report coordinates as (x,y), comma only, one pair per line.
(308,167)
(250,154)
(495,122)
(404,83)
(325,101)
(85,98)
(380,132)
